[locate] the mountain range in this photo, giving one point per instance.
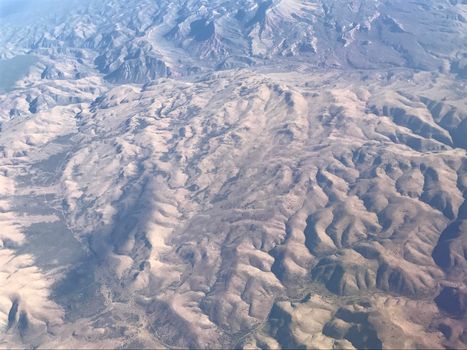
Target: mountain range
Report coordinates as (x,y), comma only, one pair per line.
(233,174)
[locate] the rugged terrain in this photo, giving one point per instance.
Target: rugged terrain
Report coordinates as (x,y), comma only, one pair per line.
(238,174)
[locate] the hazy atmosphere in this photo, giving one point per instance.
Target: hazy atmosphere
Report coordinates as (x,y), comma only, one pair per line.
(235,174)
